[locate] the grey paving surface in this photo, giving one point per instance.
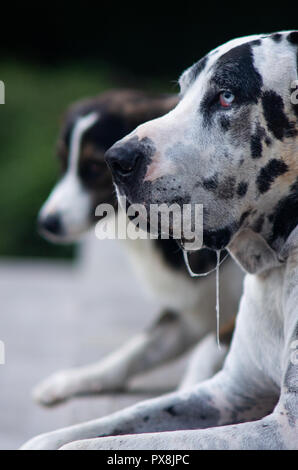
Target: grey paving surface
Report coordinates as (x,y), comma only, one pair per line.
(56,315)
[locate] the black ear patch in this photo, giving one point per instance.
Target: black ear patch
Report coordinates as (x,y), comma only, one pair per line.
(276,119)
(269,173)
(235,70)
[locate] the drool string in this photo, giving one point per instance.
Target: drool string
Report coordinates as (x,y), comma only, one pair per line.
(192,274)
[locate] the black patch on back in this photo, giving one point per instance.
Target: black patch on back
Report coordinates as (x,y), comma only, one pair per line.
(293,38)
(285,215)
(269,173)
(242,188)
(276,119)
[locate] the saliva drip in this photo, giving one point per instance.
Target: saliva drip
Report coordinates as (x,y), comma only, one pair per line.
(192,274)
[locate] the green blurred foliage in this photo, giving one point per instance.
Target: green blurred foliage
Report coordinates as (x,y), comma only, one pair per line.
(36,98)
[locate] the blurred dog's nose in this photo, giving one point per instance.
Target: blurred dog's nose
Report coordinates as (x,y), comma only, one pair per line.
(123,159)
(50,224)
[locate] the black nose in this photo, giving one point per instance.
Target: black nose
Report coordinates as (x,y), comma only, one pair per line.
(124,159)
(50,224)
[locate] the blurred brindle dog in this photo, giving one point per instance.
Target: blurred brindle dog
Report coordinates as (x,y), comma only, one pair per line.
(188,306)
(232,144)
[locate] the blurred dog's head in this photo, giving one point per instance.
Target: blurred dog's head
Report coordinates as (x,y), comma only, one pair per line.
(89,128)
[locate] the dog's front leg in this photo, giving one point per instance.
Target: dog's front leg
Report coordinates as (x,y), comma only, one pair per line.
(169,337)
(218,401)
(265,434)
(200,369)
(277,431)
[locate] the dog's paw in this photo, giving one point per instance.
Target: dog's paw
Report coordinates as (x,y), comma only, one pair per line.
(48,441)
(55,389)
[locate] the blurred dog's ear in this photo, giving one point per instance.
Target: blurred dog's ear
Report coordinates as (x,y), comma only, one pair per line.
(252,252)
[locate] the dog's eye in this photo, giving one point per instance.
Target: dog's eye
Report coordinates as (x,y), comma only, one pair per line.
(226,99)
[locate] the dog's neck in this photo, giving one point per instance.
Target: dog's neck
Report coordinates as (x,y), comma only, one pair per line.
(258,252)
(259,243)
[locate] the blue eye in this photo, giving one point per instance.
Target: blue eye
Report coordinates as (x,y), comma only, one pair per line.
(226,98)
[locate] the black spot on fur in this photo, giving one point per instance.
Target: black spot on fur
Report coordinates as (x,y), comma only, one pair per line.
(234,71)
(242,188)
(256,42)
(171,411)
(269,173)
(295,96)
(277,37)
(226,188)
(258,225)
(225,122)
(218,239)
(285,215)
(244,217)
(276,119)
(256,146)
(293,38)
(210,184)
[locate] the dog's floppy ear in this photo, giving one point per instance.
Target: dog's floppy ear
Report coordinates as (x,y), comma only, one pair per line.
(252,252)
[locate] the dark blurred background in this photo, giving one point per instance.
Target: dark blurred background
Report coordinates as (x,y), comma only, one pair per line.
(58,53)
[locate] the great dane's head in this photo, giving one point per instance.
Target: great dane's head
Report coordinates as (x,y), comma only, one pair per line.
(230,144)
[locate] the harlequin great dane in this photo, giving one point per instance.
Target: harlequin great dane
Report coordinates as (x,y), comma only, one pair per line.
(231,144)
(187,305)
